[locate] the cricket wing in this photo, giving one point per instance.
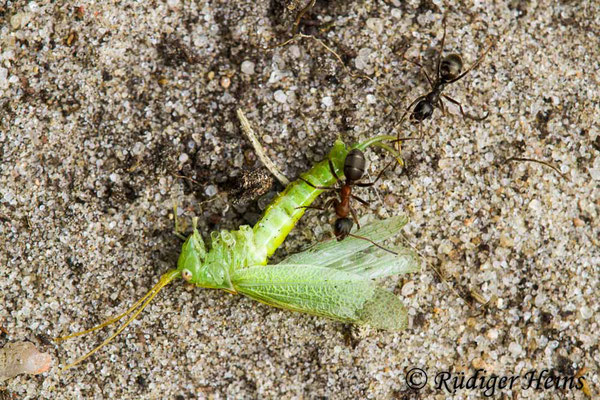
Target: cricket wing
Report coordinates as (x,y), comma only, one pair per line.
(322,291)
(374,262)
(359,256)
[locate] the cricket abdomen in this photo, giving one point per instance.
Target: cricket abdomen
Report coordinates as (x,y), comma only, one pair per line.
(285,211)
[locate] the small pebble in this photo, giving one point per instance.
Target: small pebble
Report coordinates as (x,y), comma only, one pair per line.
(492,334)
(225,82)
(210,190)
(247,67)
(375,24)
(578,222)
(408,288)
(586,312)
(540,300)
(183,158)
(506,241)
(327,101)
(3,78)
(515,348)
(280,97)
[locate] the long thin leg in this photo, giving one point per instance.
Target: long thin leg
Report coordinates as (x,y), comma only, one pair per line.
(332,169)
(440,105)
(414,102)
(439,61)
(420,131)
(326,206)
(464,114)
(355,218)
(313,208)
(472,67)
(363,202)
(367,184)
(398,139)
(422,70)
(314,186)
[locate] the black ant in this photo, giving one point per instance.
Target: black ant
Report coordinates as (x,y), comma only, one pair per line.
(448,71)
(354,169)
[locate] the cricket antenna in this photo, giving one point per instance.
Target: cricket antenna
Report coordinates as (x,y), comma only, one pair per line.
(139,305)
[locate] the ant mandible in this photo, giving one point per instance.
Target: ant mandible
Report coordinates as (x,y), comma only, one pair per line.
(448,71)
(354,169)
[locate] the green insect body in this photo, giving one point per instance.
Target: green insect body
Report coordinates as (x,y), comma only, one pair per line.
(233,250)
(332,279)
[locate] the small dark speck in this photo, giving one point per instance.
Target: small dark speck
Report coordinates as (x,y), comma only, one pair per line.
(596,143)
(564,366)
(419,320)
(141,380)
(546,318)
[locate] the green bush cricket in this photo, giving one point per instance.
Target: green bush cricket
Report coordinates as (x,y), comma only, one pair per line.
(332,279)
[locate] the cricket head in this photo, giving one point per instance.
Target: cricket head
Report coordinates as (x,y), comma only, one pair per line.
(196,267)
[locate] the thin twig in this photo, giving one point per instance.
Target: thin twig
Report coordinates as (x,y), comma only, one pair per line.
(260,152)
(547,164)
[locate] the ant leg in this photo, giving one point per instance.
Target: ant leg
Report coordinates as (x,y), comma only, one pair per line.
(398,138)
(414,102)
(421,69)
(327,205)
(355,218)
(314,186)
(312,208)
(332,169)
(420,131)
(363,202)
(464,114)
(440,105)
(359,184)
(439,61)
(472,67)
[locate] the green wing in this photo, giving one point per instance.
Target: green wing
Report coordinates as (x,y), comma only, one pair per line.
(322,291)
(360,257)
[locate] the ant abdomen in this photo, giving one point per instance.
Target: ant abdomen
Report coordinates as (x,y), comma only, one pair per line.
(354,165)
(342,228)
(450,67)
(423,110)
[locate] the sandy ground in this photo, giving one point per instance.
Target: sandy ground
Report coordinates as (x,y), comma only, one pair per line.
(104,104)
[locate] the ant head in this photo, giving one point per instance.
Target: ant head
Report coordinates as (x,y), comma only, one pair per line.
(450,67)
(354,165)
(342,228)
(422,111)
